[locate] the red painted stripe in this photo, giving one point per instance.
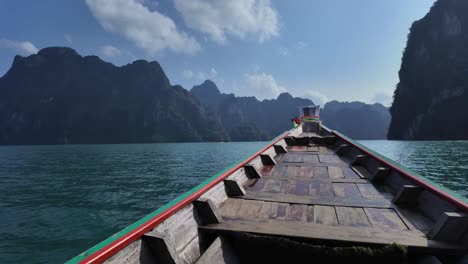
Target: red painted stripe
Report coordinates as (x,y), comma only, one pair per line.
(109,250)
(449,198)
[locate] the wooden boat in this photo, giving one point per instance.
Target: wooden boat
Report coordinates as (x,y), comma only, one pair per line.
(311,194)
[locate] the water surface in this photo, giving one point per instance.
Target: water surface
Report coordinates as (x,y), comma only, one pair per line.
(57,201)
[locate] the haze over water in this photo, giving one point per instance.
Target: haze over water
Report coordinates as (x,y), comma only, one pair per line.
(57,201)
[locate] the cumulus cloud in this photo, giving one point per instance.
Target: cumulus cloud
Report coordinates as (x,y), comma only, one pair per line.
(212,74)
(110,51)
(383,98)
(147,29)
(283,51)
(68,38)
(220,18)
(21,47)
(316,97)
(188,74)
(263,86)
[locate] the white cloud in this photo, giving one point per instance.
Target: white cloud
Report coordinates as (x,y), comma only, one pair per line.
(238,18)
(316,97)
(383,98)
(263,86)
(301,45)
(212,74)
(188,74)
(22,47)
(110,51)
(68,38)
(283,51)
(148,30)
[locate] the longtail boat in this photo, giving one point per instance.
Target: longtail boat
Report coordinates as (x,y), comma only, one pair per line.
(310,195)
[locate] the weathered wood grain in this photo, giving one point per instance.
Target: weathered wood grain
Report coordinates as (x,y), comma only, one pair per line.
(275,186)
(307,171)
(325,215)
(250,209)
(321,189)
(384,218)
(301,230)
(230,207)
(350,216)
(297,212)
(292,158)
(311,200)
(268,210)
(219,252)
(310,158)
(329,158)
(369,191)
(321,172)
(348,190)
(298,187)
(335,172)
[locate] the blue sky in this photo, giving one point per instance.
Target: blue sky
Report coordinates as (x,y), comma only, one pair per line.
(324,50)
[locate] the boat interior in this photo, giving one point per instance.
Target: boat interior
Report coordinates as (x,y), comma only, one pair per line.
(312,195)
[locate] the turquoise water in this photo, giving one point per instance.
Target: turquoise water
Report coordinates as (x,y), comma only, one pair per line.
(57,201)
(444,162)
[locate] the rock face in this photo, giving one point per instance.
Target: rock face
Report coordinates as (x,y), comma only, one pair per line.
(357,120)
(246,118)
(268,118)
(430,101)
(58,96)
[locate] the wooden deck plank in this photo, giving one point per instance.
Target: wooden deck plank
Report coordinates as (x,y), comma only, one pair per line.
(335,172)
(292,158)
(313,149)
(297,212)
(323,189)
(310,158)
(329,158)
(307,171)
(321,172)
(315,164)
(350,173)
(281,211)
(325,215)
(384,218)
(325,150)
(310,214)
(268,210)
(293,171)
(369,191)
(250,209)
(347,190)
(275,186)
(350,216)
(230,207)
(278,170)
(310,200)
(258,185)
(357,235)
(298,187)
(313,179)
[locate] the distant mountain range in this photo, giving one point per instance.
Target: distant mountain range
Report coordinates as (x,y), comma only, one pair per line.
(270,117)
(59,97)
(430,102)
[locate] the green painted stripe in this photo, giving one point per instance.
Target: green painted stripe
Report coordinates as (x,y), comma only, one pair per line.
(145,219)
(396,164)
